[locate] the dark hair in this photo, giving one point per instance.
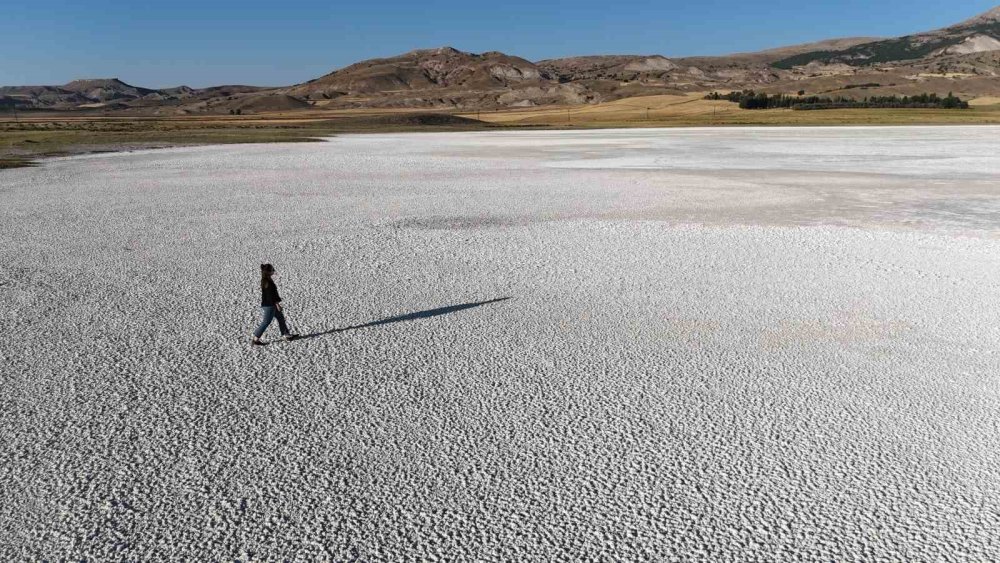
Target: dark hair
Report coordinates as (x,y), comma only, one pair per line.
(265,275)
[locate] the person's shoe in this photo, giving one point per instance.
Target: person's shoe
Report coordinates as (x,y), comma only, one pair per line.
(288,337)
(256,342)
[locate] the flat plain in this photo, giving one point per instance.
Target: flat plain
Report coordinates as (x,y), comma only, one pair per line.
(646,344)
(36,135)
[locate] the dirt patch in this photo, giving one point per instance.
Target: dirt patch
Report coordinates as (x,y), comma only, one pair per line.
(16,162)
(416,120)
(275,102)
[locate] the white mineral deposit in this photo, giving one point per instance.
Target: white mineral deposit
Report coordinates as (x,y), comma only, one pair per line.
(693,344)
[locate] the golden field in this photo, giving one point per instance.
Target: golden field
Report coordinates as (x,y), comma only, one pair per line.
(694,110)
(30,136)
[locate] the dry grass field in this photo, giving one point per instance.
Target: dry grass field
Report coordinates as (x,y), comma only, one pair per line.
(694,110)
(24,139)
(27,137)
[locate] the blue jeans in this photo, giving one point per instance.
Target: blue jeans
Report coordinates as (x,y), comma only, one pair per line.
(269,314)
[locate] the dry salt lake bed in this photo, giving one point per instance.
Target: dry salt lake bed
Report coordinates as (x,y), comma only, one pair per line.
(728,344)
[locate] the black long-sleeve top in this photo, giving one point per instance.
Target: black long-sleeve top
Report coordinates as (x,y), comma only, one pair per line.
(269,294)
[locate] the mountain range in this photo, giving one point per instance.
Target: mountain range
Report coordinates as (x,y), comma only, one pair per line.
(962,58)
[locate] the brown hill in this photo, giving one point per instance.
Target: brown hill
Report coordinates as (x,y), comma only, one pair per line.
(963,58)
(408,119)
(979,34)
(112,93)
(267,102)
(623,76)
(106,89)
(777,53)
(612,67)
(28,97)
(423,69)
(988,17)
(439,77)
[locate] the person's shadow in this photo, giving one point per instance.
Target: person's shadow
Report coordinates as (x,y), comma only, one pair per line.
(407,317)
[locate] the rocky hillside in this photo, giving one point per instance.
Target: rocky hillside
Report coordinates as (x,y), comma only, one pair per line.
(614,67)
(113,94)
(962,58)
(977,35)
(439,77)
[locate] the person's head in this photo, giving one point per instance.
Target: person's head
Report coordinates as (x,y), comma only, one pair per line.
(266,271)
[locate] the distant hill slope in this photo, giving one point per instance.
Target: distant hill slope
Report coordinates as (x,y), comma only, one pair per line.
(979,34)
(620,76)
(106,90)
(445,67)
(963,58)
(439,77)
(619,67)
(112,93)
(828,44)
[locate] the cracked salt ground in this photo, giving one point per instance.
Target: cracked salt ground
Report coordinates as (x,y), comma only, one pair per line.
(712,356)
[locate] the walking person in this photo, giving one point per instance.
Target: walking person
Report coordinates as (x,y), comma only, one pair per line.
(270,306)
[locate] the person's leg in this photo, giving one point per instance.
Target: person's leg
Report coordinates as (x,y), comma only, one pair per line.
(267,316)
(281,322)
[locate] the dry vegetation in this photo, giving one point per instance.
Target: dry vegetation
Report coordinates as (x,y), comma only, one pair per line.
(23,140)
(15,162)
(27,138)
(693,110)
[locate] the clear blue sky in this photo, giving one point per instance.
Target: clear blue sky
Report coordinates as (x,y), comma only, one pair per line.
(202,43)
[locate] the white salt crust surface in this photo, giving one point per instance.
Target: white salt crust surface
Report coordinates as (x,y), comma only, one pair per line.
(744,344)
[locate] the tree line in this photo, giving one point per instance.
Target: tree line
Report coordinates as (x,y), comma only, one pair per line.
(748,99)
